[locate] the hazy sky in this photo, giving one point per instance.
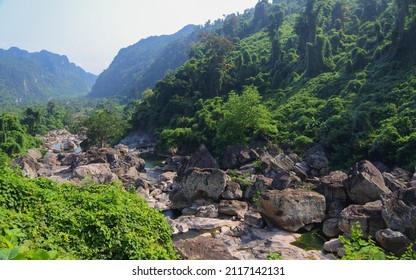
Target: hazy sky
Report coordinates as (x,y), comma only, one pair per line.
(91,32)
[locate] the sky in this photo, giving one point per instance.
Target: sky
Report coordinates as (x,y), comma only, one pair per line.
(91,32)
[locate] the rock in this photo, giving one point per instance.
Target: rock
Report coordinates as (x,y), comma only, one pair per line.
(284,180)
(260,185)
(35,154)
(393,241)
(196,184)
(202,159)
(365,183)
(392,182)
(368,216)
(318,162)
(237,155)
(67,159)
(402,175)
(254,219)
(232,191)
(183,228)
(167,176)
(330,228)
(209,211)
(205,224)
(333,245)
(69,145)
(292,209)
(123,149)
(233,208)
(399,211)
(273,165)
(29,166)
(51,159)
(202,248)
(97,171)
(332,187)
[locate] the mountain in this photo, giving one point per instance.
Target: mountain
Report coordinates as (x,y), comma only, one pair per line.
(141,65)
(337,73)
(27,77)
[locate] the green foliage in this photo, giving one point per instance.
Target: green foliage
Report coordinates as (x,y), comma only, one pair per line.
(274,257)
(40,219)
(357,248)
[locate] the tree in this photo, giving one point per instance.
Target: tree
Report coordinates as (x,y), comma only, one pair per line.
(104,128)
(245,118)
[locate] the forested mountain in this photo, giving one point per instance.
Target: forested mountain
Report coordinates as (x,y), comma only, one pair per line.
(339,73)
(27,77)
(141,65)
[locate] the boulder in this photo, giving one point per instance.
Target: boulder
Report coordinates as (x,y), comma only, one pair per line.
(273,165)
(233,208)
(292,209)
(232,191)
(318,162)
(203,248)
(368,216)
(365,183)
(330,228)
(399,211)
(196,183)
(29,166)
(237,155)
(284,180)
(332,187)
(97,171)
(254,219)
(208,211)
(392,182)
(393,241)
(35,154)
(260,185)
(333,246)
(202,159)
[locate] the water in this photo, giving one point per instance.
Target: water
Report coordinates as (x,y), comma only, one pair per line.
(311,240)
(152,161)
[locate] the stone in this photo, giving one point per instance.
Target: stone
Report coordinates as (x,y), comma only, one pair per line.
(273,165)
(333,245)
(260,185)
(208,211)
(368,216)
(208,184)
(35,154)
(232,191)
(29,166)
(332,187)
(392,182)
(254,219)
(330,228)
(203,248)
(97,171)
(167,176)
(393,241)
(237,155)
(365,183)
(233,208)
(202,159)
(292,209)
(284,180)
(318,162)
(399,211)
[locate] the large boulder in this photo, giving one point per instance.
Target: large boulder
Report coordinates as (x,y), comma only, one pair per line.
(332,187)
(318,162)
(365,183)
(285,180)
(233,208)
(203,248)
(29,165)
(393,241)
(392,182)
(198,184)
(260,185)
(368,216)
(399,211)
(232,191)
(97,171)
(292,209)
(202,158)
(273,165)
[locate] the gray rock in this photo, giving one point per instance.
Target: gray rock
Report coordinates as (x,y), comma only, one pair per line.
(330,228)
(392,182)
(332,187)
(393,241)
(399,211)
(208,184)
(232,191)
(284,180)
(101,173)
(207,211)
(365,183)
(333,246)
(254,219)
(292,209)
(368,216)
(233,208)
(29,166)
(202,159)
(237,155)
(260,185)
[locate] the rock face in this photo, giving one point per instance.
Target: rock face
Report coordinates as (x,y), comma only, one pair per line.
(197,184)
(368,216)
(292,209)
(399,211)
(365,183)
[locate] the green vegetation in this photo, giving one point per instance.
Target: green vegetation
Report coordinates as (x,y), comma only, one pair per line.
(274,257)
(337,73)
(40,219)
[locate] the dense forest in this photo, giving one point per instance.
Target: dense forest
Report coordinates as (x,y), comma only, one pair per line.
(338,74)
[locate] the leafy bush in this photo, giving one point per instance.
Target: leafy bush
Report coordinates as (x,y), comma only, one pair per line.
(82,222)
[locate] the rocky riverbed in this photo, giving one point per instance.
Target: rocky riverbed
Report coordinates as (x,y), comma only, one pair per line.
(251,202)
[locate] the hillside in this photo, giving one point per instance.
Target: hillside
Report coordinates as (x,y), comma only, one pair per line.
(28,77)
(336,73)
(141,65)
